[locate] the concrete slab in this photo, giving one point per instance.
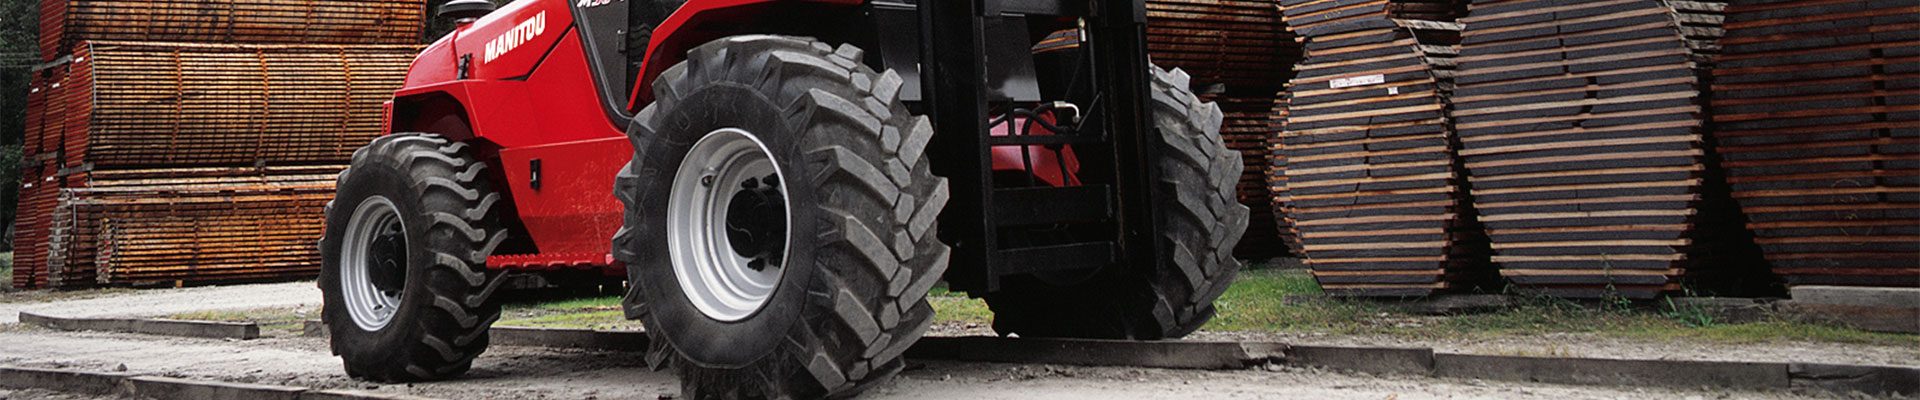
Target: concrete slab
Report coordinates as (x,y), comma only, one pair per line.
(1372,360)
(1591,371)
(1865,379)
(157,387)
(1174,355)
(91,383)
(1857,296)
(200,329)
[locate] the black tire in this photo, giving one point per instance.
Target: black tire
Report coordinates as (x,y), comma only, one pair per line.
(863,201)
(1200,221)
(447,207)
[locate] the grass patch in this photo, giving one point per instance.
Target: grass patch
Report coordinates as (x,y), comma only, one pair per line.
(955,308)
(6,270)
(1288,301)
(597,312)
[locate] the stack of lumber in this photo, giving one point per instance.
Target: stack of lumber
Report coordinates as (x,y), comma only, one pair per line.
(1248,128)
(65,23)
(1232,42)
(1582,132)
(193,141)
(148,104)
(165,226)
(173,163)
(1371,178)
(40,150)
(1310,14)
(1281,204)
(1816,105)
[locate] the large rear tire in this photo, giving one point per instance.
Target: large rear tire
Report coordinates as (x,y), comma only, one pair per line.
(1200,222)
(407,292)
(779,126)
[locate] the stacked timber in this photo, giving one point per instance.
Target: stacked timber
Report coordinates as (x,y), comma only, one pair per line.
(181,163)
(65,23)
(1231,42)
(190,141)
(166,226)
(1817,113)
(175,163)
(44,128)
(152,104)
(1248,128)
(1582,133)
(1309,14)
(1238,52)
(1371,178)
(1276,175)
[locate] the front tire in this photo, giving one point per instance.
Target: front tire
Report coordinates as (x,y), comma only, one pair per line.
(404,260)
(1200,222)
(831,306)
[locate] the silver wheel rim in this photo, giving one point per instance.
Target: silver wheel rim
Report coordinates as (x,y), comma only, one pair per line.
(373,222)
(727,225)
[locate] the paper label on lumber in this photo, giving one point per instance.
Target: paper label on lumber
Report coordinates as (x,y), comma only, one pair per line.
(1341,83)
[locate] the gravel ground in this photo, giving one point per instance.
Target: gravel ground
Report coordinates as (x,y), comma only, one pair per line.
(536,373)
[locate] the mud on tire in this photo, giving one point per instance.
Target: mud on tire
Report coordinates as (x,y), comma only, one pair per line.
(862,202)
(447,209)
(1200,221)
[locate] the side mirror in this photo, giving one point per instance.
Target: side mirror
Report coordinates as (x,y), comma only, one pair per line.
(462,11)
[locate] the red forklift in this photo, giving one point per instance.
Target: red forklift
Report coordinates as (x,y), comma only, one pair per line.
(781,182)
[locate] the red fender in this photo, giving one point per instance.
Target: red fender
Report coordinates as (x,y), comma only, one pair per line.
(699,22)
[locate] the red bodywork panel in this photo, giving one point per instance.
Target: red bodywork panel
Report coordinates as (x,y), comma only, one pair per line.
(529,95)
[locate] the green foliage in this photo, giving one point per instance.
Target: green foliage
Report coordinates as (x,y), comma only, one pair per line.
(6,270)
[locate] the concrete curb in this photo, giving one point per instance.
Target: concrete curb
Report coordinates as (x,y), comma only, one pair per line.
(1590,371)
(166,327)
(539,337)
(165,388)
(1103,353)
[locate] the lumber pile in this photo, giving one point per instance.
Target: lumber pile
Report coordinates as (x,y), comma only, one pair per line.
(65,23)
(1248,128)
(1232,42)
(150,104)
(174,163)
(1816,106)
(159,227)
(1281,204)
(193,142)
(1582,132)
(1238,53)
(1370,177)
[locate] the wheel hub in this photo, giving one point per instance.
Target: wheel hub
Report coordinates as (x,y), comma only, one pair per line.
(727,225)
(373,263)
(757,222)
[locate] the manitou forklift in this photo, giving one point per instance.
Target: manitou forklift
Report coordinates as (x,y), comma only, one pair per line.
(781,182)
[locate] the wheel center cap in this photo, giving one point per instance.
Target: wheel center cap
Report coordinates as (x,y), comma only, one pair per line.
(757,222)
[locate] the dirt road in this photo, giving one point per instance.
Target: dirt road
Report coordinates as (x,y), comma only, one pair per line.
(537,373)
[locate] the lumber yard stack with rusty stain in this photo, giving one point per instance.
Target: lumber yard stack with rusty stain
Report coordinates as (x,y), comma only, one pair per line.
(1239,54)
(194,142)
